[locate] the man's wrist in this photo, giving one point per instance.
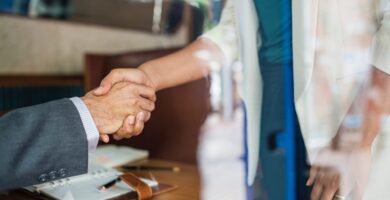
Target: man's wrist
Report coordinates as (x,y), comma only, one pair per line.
(90,128)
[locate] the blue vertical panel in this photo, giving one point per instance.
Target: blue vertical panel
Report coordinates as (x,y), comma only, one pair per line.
(7,6)
(21,7)
(286,140)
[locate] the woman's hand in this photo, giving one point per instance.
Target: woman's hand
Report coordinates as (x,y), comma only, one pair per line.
(339,173)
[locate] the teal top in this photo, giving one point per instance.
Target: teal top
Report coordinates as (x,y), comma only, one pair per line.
(275,26)
(275,56)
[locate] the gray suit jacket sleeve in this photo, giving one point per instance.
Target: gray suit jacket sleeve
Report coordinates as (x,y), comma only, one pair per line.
(42,143)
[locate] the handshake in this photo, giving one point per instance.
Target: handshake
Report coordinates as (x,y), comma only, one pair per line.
(122,103)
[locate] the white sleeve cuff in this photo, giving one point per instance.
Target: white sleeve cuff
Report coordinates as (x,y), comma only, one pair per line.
(88,123)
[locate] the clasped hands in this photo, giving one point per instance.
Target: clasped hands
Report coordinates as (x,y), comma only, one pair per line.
(122,103)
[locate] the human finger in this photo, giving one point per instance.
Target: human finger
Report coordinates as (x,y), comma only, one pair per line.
(330,186)
(103,88)
(312,176)
(114,77)
(148,115)
(316,191)
(318,186)
(146,104)
(105,138)
(147,92)
(139,125)
(127,129)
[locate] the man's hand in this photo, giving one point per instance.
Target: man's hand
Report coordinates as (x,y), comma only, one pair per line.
(123,101)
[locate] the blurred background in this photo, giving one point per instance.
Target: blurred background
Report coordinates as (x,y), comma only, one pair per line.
(51,49)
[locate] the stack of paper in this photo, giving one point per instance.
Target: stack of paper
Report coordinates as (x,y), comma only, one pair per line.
(114,156)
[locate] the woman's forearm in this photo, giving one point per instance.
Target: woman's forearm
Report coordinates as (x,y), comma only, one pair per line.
(191,63)
(371,105)
(377,106)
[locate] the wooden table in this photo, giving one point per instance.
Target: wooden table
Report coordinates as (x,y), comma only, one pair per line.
(187,181)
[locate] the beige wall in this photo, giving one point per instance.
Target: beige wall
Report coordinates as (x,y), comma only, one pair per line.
(53,47)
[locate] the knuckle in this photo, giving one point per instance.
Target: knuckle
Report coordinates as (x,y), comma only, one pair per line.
(133,101)
(136,90)
(136,101)
(132,91)
(151,92)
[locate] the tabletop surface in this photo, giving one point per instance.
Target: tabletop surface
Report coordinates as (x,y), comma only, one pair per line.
(187,180)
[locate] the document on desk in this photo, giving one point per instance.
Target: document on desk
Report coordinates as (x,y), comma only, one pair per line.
(86,186)
(114,156)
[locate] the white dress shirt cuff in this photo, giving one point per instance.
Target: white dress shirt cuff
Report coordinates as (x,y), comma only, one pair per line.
(88,123)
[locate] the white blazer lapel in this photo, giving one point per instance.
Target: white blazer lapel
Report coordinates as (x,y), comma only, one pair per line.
(304,29)
(251,89)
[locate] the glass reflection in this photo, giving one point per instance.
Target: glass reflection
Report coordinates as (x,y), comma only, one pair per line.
(340,69)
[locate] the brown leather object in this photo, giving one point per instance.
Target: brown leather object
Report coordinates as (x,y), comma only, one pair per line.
(142,189)
(173,131)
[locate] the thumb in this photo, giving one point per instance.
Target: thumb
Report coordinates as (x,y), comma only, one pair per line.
(115,76)
(103,89)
